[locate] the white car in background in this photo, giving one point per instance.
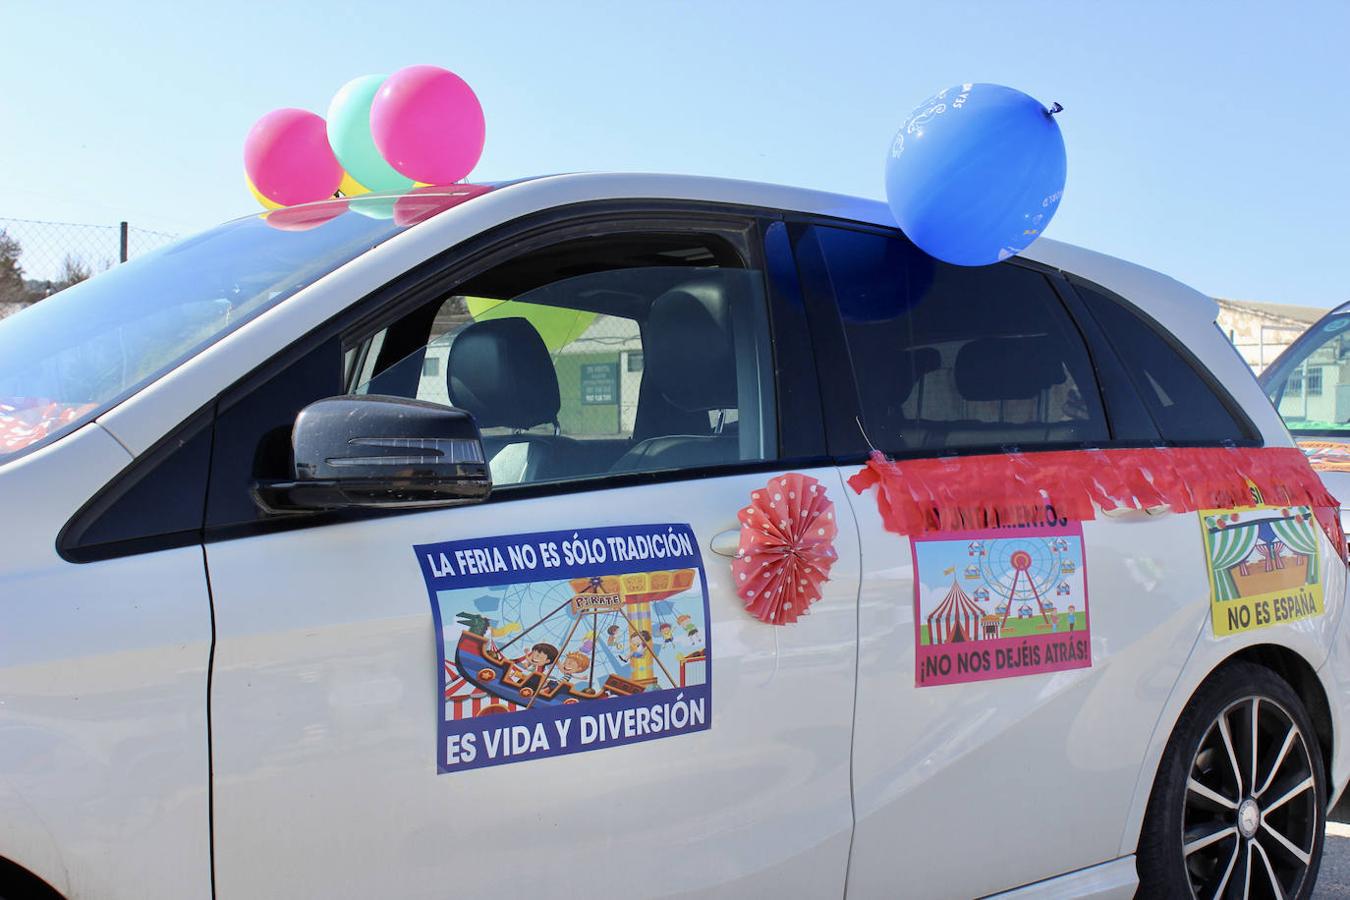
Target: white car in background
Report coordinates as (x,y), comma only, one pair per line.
(1309,383)
(390,547)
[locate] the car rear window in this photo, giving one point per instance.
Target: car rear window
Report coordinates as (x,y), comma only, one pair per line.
(1185,406)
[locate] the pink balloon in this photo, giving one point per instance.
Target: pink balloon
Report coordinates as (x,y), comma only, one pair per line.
(428,124)
(286,155)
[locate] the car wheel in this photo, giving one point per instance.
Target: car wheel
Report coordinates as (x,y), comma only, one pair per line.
(1237,809)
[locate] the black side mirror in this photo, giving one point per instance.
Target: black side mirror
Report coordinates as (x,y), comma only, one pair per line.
(366,451)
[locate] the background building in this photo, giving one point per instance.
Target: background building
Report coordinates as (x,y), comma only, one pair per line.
(1261,331)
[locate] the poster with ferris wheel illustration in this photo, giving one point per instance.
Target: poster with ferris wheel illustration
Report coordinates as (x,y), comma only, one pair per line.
(1000,603)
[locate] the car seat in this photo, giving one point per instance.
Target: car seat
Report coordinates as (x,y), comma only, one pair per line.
(691,363)
(500,371)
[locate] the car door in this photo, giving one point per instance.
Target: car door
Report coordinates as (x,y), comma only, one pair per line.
(519,696)
(1009,678)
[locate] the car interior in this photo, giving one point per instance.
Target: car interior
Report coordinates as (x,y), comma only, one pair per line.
(681,313)
(978,359)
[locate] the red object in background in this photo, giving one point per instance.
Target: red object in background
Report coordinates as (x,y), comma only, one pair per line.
(786,549)
(922,496)
(27,420)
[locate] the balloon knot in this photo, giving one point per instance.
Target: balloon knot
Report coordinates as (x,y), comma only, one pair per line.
(1055,108)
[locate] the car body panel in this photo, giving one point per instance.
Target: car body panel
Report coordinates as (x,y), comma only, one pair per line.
(103,741)
(975,757)
(325,705)
(1114,880)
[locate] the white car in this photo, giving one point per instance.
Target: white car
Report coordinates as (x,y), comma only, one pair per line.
(1304,382)
(389,547)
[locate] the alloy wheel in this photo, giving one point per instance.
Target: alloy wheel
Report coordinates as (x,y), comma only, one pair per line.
(1250,814)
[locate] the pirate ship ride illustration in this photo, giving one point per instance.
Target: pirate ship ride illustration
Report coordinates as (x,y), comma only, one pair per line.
(544,644)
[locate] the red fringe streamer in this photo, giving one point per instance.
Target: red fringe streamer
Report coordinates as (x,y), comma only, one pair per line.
(920,496)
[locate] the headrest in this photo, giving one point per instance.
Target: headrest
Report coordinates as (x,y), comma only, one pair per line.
(690,356)
(905,369)
(1007,368)
(500,371)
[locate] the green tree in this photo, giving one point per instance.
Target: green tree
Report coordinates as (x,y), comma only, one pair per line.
(12,289)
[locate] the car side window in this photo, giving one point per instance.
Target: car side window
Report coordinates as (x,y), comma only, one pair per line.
(597,359)
(593,359)
(1185,407)
(953,358)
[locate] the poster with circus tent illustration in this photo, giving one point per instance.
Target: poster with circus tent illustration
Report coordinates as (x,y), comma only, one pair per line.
(1263,566)
(999,603)
(563,642)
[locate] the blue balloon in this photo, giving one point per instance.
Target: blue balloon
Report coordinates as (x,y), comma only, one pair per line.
(976,173)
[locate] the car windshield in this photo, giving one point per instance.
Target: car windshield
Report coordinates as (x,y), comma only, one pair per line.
(1310,384)
(69,357)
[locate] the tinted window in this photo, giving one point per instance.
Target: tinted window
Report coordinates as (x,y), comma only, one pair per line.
(1311,385)
(658,361)
(158,502)
(947,357)
(1183,404)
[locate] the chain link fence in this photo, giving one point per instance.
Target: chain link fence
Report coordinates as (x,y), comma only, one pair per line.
(38,258)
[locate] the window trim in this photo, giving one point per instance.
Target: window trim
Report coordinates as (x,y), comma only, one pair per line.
(1253,438)
(743,227)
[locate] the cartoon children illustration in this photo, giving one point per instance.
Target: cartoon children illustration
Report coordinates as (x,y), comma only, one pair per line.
(638,642)
(538,661)
(574,663)
(667,634)
(687,623)
(1072,617)
(612,637)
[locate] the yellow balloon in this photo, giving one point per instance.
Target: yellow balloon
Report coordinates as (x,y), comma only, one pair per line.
(257,194)
(350,187)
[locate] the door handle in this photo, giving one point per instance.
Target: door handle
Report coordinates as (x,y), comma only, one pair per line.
(1125,512)
(726,543)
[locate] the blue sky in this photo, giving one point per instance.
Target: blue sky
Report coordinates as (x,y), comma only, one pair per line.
(1205,140)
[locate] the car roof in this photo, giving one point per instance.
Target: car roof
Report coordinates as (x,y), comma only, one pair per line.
(1163,298)
(142,420)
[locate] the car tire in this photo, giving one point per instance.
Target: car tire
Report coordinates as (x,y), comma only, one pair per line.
(1213,825)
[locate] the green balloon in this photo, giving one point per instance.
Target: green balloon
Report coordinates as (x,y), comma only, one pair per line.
(349,136)
(373,207)
(557,326)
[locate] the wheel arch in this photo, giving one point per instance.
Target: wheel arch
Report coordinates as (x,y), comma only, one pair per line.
(1299,675)
(1287,664)
(18,883)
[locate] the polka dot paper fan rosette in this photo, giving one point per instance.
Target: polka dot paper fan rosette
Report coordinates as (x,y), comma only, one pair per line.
(786,549)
